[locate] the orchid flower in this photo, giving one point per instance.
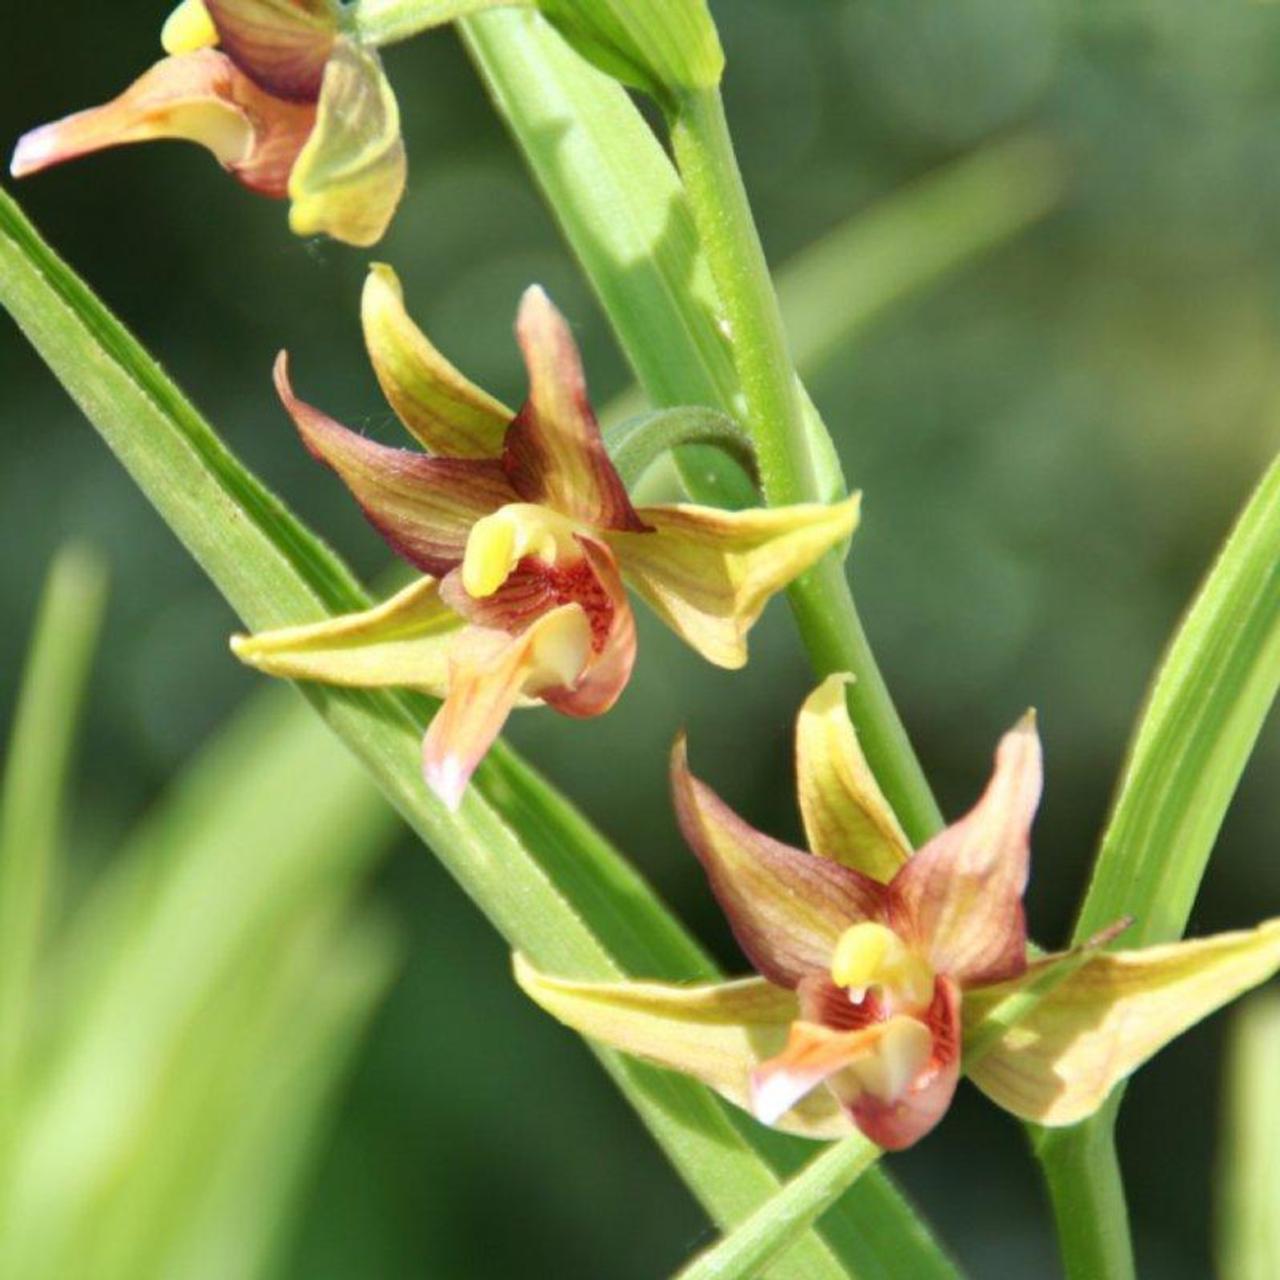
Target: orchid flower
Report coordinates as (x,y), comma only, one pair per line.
(885,972)
(525,532)
(289,105)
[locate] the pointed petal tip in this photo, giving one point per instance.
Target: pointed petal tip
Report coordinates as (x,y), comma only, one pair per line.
(772,1095)
(680,753)
(448,779)
(35,150)
(382,274)
(535,296)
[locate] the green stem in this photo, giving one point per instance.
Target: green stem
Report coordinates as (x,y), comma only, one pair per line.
(382,22)
(1082,1172)
(758,1240)
(824,608)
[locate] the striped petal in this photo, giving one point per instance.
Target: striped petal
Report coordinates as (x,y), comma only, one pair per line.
(521,563)
(489,672)
(282,45)
(709,573)
(554,452)
(1057,1065)
(787,908)
(197,97)
(424,507)
(444,411)
(846,816)
(403,642)
(603,598)
(716,1032)
(959,900)
(893,1118)
(350,176)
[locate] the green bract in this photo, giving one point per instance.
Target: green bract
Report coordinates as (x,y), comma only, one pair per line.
(664,47)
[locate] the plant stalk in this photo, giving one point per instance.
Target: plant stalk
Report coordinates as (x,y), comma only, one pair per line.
(1082,1172)
(824,608)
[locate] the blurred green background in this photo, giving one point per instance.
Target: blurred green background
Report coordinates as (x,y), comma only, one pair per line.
(1051,441)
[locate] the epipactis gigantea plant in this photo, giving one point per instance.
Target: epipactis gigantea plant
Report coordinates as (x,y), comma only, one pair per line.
(290,104)
(525,532)
(879,965)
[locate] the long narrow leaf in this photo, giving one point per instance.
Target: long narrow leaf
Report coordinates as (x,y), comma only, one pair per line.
(1205,709)
(548,882)
(755,1242)
(148,1075)
(34,780)
(1248,1227)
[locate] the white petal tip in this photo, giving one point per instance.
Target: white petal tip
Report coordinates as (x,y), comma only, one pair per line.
(448,780)
(771,1096)
(33,152)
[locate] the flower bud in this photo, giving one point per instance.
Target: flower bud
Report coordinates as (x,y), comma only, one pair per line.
(665,47)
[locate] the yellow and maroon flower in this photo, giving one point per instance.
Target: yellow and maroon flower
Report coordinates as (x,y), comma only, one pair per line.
(289,105)
(525,532)
(882,968)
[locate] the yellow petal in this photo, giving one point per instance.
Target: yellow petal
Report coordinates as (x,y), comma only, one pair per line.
(489,671)
(870,954)
(188,28)
(846,816)
(350,176)
(1058,1064)
(709,573)
(405,641)
(498,542)
(717,1032)
(444,411)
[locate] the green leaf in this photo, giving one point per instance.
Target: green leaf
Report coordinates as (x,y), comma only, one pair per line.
(1203,714)
(1247,1229)
(33,796)
(1204,711)
(162,1081)
(550,883)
